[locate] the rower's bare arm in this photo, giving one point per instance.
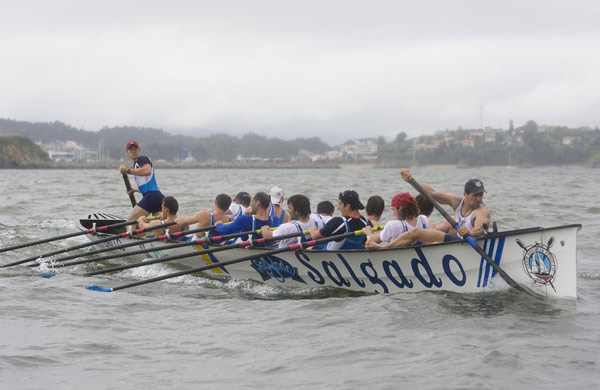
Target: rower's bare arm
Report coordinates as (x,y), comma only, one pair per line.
(199,218)
(440,197)
(315,233)
(482,217)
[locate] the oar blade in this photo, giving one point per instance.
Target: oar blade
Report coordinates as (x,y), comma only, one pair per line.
(99,288)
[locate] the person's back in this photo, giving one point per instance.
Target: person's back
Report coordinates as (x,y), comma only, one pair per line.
(324,212)
(425,208)
(406,213)
(374,209)
(276,211)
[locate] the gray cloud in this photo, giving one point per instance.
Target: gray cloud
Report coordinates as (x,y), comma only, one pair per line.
(336,69)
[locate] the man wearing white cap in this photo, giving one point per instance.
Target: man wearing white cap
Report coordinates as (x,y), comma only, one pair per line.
(276,211)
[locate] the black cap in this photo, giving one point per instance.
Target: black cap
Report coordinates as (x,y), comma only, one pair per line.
(351,197)
(243,196)
(474,186)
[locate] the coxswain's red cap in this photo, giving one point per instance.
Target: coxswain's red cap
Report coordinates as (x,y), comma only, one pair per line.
(132,143)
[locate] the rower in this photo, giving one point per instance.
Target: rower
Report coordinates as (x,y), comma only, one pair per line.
(425,208)
(260,206)
(169,208)
(469,211)
(276,211)
(374,209)
(143,174)
(325,211)
(205,218)
(301,220)
(351,220)
(406,212)
(240,205)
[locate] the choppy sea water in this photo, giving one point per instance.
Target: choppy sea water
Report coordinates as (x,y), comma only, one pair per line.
(192,332)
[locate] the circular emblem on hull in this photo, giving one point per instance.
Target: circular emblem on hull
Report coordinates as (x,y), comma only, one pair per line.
(538,262)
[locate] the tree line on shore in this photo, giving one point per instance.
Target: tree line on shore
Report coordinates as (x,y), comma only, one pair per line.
(534,147)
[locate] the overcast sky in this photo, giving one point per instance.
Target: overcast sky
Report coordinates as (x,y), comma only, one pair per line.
(334,69)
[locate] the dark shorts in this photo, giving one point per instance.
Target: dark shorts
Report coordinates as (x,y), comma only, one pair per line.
(152,201)
(450,238)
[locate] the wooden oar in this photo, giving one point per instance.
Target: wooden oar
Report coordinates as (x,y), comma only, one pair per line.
(242,244)
(200,241)
(469,239)
(69,235)
(128,187)
(127,245)
(100,241)
(227,262)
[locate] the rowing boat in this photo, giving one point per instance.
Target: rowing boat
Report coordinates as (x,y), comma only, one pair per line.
(542,260)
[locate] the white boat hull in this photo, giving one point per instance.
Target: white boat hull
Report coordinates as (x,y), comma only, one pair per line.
(542,260)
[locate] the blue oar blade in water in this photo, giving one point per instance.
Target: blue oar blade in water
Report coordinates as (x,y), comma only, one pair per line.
(98,288)
(47,276)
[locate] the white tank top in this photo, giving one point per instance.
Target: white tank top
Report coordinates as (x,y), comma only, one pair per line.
(466,220)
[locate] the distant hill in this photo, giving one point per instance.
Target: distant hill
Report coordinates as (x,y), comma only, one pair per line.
(20,152)
(161,145)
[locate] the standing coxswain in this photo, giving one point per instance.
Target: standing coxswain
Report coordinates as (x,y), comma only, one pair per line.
(143,174)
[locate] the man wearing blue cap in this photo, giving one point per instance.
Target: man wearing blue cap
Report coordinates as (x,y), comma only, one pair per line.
(469,210)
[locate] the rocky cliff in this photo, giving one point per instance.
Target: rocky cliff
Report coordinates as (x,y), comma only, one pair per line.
(20,152)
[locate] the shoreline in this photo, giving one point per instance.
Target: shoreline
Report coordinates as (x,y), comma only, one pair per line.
(271,165)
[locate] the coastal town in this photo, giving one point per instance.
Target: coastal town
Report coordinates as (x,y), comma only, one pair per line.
(529,144)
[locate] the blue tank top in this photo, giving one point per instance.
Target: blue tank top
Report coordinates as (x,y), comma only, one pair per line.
(258,224)
(213,232)
(354,242)
(279,220)
(145,183)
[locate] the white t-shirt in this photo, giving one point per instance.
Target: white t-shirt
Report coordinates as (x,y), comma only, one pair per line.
(295,227)
(236,210)
(394,229)
(320,217)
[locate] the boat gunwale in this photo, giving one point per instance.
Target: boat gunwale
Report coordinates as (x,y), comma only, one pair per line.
(493,235)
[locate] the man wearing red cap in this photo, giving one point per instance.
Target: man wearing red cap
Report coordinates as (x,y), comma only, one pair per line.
(143,174)
(406,211)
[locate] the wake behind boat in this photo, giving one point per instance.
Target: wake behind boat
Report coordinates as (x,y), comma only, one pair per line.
(542,260)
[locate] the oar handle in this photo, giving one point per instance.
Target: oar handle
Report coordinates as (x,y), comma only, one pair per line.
(68,235)
(128,187)
(85,245)
(435,204)
(229,262)
(294,247)
(198,253)
(200,241)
